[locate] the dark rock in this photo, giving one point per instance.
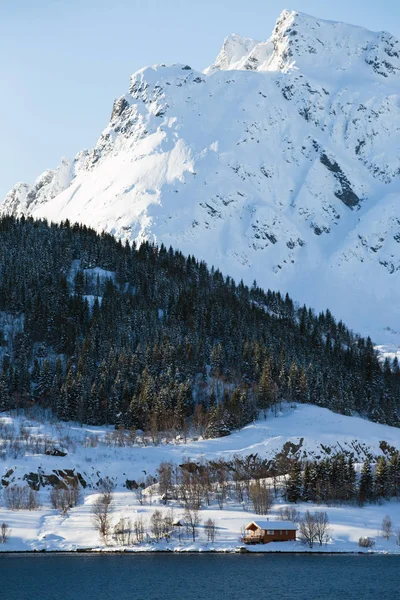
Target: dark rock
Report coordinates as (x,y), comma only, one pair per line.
(81,480)
(33,480)
(5,480)
(54,451)
(119,106)
(53,480)
(57,479)
(345,194)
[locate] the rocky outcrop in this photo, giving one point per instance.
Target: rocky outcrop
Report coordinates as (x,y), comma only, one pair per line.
(58,478)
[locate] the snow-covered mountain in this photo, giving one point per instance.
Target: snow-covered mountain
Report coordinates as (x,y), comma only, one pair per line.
(280,162)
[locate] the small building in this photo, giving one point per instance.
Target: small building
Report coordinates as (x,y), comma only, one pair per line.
(263,532)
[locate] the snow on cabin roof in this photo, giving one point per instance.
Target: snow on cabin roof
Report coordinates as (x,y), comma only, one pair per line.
(288,525)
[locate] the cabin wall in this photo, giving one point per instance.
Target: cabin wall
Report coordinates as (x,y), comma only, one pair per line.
(279,537)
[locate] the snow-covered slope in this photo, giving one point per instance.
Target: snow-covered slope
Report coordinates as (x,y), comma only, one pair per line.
(313,431)
(318,430)
(280,163)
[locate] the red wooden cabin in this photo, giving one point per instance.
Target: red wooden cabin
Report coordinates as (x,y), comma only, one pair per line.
(263,532)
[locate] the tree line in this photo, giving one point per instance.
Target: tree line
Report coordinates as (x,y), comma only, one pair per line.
(335,480)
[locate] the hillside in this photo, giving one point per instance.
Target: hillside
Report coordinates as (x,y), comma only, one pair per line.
(46,528)
(279,163)
(104,333)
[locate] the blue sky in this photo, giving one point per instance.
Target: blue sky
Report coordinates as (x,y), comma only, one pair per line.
(64,61)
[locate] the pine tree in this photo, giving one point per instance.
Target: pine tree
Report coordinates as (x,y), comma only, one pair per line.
(381,478)
(293,388)
(294,483)
(394,475)
(307,483)
(45,381)
(93,407)
(267,390)
(4,395)
(350,480)
(365,487)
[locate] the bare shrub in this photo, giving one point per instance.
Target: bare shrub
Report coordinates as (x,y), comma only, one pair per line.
(260,496)
(210,529)
(321,527)
(308,529)
(150,489)
(63,499)
(91,441)
(138,491)
(139,527)
(101,515)
(387,527)
(21,497)
(167,525)
(366,542)
(190,489)
(314,527)
(156,525)
(192,520)
(289,514)
(221,495)
(123,532)
(5,533)
(239,487)
(106,485)
(165,471)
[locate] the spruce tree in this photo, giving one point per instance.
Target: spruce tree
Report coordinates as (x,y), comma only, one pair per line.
(4,395)
(394,475)
(365,487)
(294,483)
(381,478)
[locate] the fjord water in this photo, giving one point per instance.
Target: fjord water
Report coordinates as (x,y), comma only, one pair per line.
(195,576)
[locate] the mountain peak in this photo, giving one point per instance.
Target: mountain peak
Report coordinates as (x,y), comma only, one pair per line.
(302,42)
(234,49)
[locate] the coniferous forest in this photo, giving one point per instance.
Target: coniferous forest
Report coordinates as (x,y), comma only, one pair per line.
(103,332)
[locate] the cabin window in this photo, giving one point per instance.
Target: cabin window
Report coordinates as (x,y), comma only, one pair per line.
(270,532)
(280,533)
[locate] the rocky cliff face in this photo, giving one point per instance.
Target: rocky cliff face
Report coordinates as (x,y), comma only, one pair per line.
(280,163)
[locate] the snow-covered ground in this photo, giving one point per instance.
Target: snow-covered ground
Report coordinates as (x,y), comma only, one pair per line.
(92,452)
(47,529)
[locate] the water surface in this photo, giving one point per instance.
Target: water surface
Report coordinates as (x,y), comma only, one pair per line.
(195,576)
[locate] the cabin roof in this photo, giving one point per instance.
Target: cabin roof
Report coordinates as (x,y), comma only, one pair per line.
(280,525)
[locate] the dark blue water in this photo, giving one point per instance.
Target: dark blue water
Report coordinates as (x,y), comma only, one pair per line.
(191,577)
